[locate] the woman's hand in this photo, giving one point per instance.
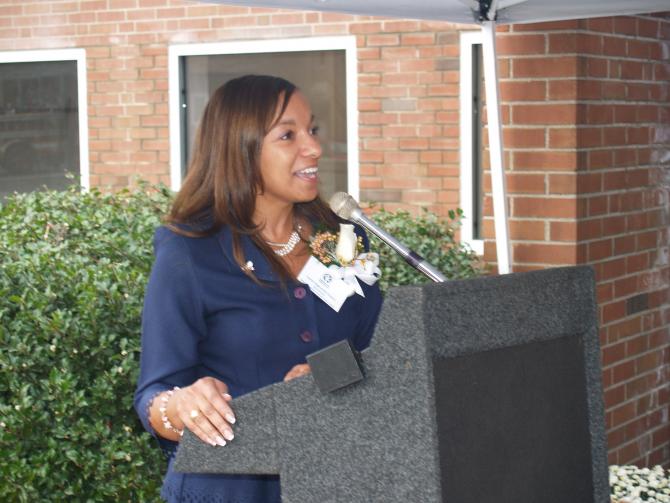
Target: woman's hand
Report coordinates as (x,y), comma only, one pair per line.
(203,408)
(297,371)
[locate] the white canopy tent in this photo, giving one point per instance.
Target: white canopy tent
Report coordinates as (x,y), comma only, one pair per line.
(470,11)
(486,13)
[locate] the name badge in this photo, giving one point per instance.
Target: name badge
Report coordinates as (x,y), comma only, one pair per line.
(325,284)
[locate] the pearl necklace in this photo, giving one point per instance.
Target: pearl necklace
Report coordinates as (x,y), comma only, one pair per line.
(286,248)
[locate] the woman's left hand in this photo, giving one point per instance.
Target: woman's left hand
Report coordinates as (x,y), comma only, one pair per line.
(297,371)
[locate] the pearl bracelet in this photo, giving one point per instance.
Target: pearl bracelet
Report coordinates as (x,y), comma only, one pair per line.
(163,410)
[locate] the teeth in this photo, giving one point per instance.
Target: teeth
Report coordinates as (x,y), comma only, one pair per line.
(308,171)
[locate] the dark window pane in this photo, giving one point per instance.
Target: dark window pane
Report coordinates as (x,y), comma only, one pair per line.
(39,125)
(320,75)
(477,132)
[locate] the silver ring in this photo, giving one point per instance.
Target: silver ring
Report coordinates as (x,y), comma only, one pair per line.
(194,414)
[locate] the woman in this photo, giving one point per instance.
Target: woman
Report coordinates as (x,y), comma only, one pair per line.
(224,313)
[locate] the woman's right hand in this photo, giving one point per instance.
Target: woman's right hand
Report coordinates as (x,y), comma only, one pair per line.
(203,407)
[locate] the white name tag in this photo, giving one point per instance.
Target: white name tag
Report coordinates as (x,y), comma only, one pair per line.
(324,284)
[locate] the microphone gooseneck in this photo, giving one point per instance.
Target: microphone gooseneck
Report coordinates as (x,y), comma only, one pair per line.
(346,207)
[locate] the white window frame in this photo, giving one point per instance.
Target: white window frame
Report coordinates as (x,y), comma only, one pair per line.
(468,39)
(346,43)
(78,55)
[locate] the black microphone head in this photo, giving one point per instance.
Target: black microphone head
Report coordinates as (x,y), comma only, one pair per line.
(343,205)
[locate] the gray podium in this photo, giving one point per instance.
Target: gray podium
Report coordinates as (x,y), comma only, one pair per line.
(482,390)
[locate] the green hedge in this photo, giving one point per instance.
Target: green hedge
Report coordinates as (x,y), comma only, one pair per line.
(431,237)
(72,273)
(73,267)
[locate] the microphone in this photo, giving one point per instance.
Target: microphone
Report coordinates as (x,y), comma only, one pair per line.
(346,207)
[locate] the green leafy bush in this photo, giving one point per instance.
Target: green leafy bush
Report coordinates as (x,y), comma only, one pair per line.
(73,267)
(429,236)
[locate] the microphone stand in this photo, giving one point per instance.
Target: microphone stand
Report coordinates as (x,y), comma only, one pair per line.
(410,256)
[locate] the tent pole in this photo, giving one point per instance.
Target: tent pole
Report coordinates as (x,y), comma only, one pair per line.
(500,212)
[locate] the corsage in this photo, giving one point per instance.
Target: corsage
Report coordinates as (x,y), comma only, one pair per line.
(345,257)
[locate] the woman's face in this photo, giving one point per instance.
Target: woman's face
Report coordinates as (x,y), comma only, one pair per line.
(290,156)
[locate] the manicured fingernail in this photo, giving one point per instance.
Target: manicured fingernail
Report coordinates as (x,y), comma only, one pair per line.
(228,434)
(227,396)
(220,441)
(212,442)
(230,418)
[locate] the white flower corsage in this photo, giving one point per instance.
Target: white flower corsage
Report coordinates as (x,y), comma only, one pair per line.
(343,254)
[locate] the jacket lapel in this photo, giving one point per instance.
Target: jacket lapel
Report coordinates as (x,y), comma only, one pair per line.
(261,267)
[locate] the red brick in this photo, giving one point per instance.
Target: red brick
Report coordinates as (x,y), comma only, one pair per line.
(623,329)
(613,397)
(623,414)
(563,183)
(544,207)
(622,372)
(523,91)
(625,244)
(545,253)
(609,313)
(545,160)
(401,25)
(365,27)
(544,114)
(648,361)
(599,250)
(524,137)
(532,44)
(648,28)
(647,240)
(594,68)
(614,46)
(546,67)
(614,225)
(521,229)
(382,40)
(563,231)
(604,292)
(613,90)
(625,286)
(565,137)
(567,89)
(525,183)
(599,159)
(418,38)
(614,352)
(591,228)
(611,269)
(563,43)
(625,25)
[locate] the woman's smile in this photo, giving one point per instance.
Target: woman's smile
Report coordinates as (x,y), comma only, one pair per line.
(308,174)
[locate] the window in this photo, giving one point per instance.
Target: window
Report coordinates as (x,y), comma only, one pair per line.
(324,68)
(43,126)
(471,96)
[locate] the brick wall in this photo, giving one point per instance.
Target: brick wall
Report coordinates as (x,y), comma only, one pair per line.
(586,116)
(624,162)
(408,85)
(586,106)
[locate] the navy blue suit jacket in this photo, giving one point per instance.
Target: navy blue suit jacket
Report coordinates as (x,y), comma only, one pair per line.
(204,317)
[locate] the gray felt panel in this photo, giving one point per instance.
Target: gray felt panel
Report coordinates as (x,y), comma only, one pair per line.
(254,448)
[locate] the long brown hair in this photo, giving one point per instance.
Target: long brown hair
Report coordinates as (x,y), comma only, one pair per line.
(224,174)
